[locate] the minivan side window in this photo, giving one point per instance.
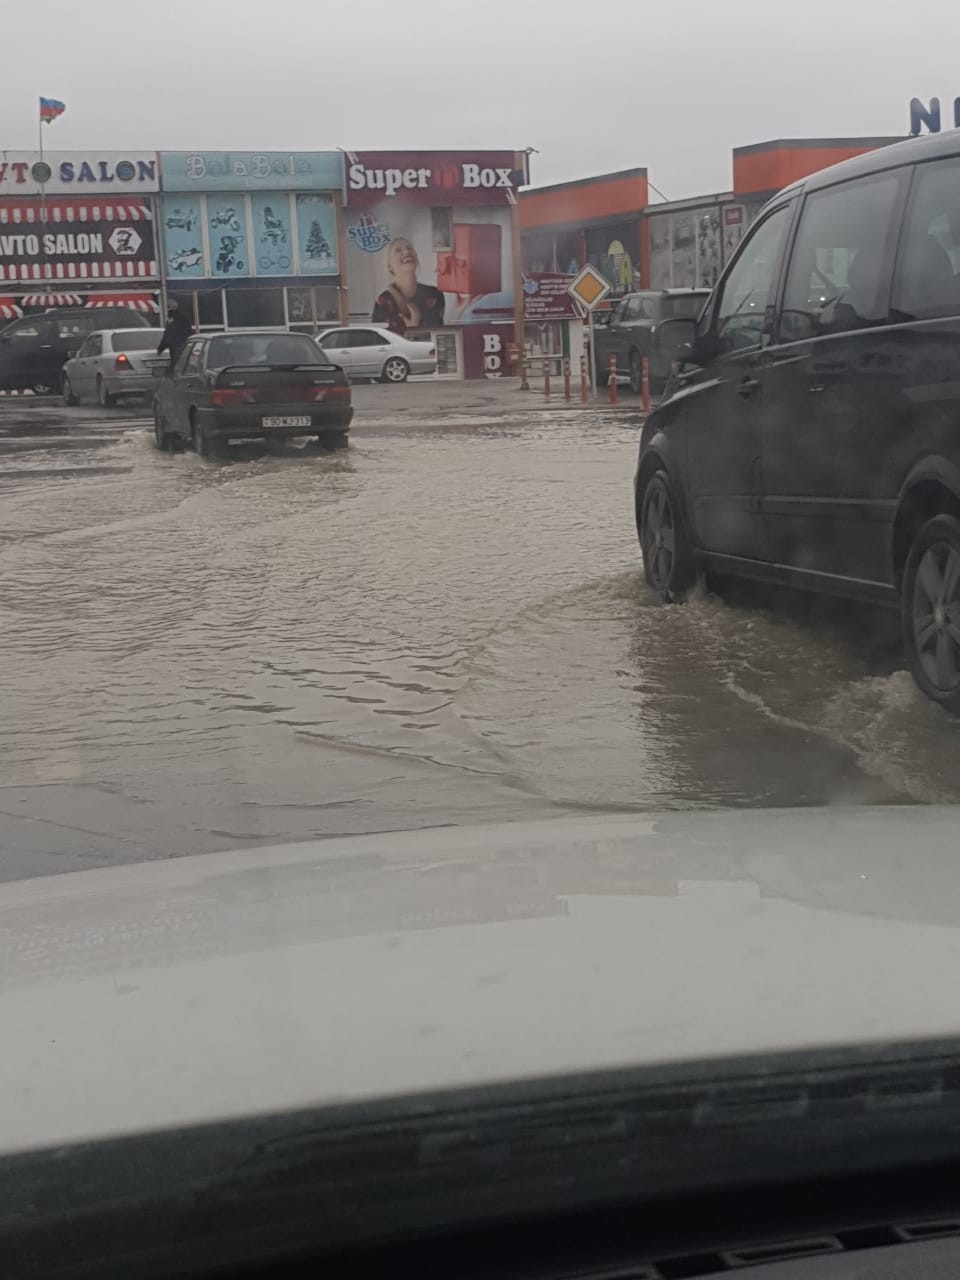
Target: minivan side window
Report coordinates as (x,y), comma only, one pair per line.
(839,271)
(928,278)
(748,289)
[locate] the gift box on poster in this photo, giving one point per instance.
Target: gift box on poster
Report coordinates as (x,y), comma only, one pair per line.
(473,266)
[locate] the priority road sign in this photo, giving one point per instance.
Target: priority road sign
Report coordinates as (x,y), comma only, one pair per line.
(588,287)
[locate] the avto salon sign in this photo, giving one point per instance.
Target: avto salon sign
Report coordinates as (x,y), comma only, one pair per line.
(64,239)
(25,173)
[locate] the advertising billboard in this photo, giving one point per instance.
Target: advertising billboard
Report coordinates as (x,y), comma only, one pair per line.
(413,268)
(79,173)
(77,240)
(431,178)
(251,170)
(234,235)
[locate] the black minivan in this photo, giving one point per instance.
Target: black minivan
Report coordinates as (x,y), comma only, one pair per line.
(34,350)
(812,437)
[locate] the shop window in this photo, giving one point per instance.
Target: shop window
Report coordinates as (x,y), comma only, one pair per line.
(210,308)
(255,308)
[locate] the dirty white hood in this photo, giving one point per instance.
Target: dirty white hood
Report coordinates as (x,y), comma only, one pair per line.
(160,994)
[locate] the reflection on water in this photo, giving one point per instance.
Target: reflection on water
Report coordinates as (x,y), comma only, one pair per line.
(430,628)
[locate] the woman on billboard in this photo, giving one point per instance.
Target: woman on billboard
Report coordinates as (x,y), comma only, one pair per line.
(406,303)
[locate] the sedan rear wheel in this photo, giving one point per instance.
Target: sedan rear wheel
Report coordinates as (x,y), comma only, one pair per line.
(930,610)
(201,441)
(66,390)
(668,563)
(395,369)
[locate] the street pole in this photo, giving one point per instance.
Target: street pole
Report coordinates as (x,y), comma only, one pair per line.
(519,296)
(593,353)
(43,202)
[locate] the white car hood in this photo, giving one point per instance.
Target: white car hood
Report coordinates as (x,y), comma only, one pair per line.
(165,993)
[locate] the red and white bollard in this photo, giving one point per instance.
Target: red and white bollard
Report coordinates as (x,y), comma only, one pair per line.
(612,382)
(566,377)
(584,384)
(645,383)
(546,376)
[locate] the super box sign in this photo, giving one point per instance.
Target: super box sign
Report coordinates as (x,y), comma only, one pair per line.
(434,178)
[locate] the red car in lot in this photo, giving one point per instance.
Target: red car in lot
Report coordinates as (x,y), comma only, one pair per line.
(251,386)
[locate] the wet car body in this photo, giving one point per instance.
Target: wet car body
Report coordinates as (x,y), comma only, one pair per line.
(629,332)
(814,446)
(33,350)
(251,386)
(371,351)
(111,363)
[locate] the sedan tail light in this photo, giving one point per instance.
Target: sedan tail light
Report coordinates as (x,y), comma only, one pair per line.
(231,395)
(122,361)
(432,351)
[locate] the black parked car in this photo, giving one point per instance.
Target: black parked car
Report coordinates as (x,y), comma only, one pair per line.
(251,386)
(34,350)
(628,331)
(813,436)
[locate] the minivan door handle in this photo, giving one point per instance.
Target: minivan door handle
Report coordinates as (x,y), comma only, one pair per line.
(747,387)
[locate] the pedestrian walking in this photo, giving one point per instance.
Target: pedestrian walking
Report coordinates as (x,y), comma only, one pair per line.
(176,332)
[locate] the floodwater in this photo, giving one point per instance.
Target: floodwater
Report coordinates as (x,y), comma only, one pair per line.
(444,624)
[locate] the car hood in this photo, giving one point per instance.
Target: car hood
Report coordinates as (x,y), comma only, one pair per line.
(159,994)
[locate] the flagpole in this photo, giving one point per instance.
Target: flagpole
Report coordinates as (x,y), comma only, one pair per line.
(43,198)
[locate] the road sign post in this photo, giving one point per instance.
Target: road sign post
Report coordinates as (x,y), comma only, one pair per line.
(589,288)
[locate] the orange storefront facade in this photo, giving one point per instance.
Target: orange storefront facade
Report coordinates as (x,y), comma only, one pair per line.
(609,221)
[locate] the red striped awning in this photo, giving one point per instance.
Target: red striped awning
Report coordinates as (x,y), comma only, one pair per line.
(135,301)
(51,300)
(9,310)
(69,209)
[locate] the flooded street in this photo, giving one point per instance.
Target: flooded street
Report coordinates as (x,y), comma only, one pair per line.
(445,624)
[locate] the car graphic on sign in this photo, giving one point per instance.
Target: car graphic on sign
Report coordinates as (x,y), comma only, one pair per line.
(184,259)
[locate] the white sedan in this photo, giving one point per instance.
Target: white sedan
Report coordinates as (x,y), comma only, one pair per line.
(368,351)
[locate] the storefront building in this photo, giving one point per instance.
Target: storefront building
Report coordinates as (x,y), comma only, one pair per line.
(252,240)
(429,248)
(77,229)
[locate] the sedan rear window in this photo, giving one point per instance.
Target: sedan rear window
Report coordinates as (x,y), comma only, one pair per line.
(265,348)
(136,339)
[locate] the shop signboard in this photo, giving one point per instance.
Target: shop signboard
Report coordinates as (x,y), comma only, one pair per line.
(413,268)
(78,173)
(546,296)
(432,179)
(78,240)
(251,170)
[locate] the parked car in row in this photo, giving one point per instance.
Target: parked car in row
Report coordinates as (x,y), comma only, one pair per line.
(112,363)
(813,437)
(251,386)
(369,351)
(628,331)
(34,350)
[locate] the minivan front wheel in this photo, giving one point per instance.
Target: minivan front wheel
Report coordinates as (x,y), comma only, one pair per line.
(930,610)
(668,563)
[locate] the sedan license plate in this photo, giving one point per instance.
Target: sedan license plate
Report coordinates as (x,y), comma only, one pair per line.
(285,422)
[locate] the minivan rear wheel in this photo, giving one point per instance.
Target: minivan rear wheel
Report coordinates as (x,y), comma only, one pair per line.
(930,610)
(668,563)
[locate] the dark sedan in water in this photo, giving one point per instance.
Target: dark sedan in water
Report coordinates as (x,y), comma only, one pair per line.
(251,386)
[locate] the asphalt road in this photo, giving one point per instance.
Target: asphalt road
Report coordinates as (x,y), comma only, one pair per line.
(446,623)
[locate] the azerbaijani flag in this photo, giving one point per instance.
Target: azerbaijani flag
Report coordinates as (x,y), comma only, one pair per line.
(50,108)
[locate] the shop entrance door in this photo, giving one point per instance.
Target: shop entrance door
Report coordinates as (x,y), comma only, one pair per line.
(449,350)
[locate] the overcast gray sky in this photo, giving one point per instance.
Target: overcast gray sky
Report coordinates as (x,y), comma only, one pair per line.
(594,85)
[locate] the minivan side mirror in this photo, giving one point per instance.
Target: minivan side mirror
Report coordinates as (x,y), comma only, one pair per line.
(677,339)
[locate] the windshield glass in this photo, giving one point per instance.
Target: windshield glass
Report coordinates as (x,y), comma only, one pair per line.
(503,615)
(263,349)
(136,340)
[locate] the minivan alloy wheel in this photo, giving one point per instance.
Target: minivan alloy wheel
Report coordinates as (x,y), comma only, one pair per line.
(936,615)
(667,558)
(931,610)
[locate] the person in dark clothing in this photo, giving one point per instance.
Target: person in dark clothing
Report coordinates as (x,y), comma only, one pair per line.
(176,332)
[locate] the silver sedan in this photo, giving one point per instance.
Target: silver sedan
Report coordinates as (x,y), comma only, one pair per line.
(111,363)
(370,351)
